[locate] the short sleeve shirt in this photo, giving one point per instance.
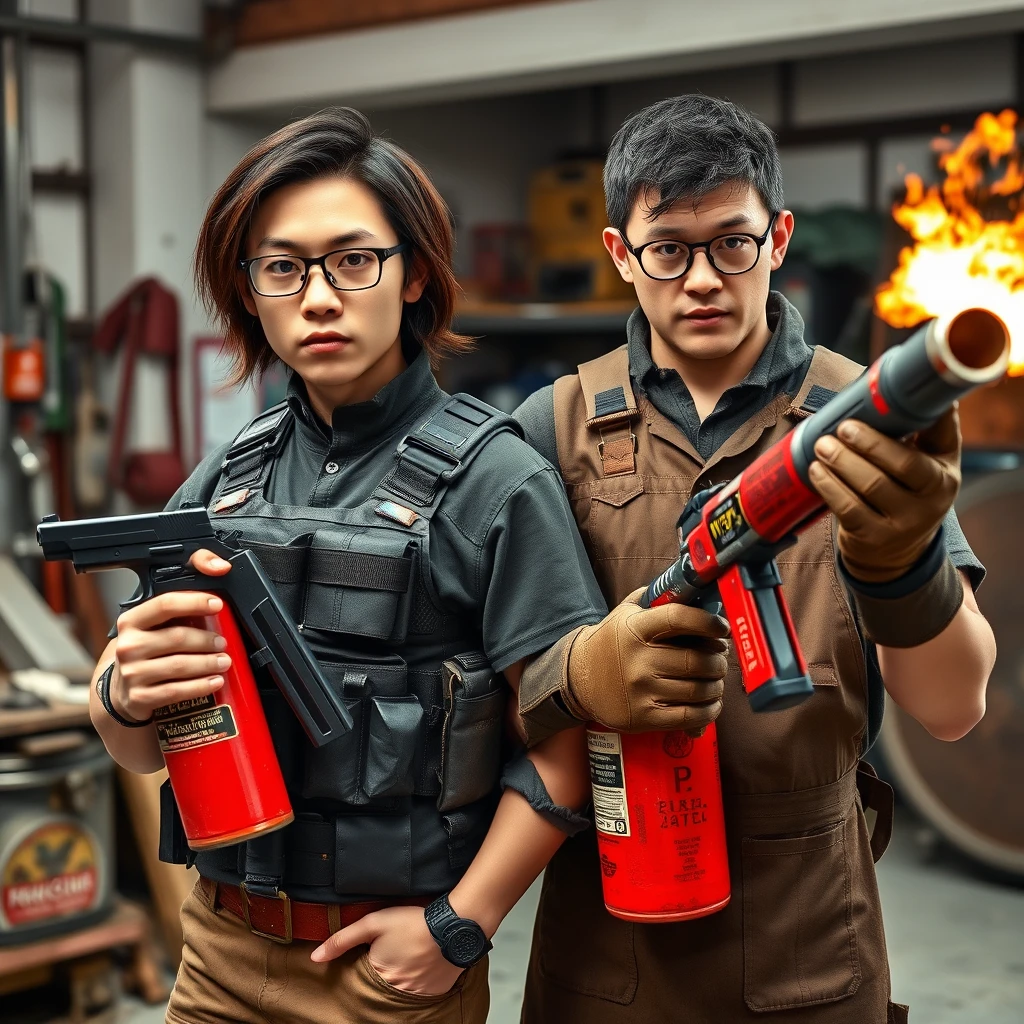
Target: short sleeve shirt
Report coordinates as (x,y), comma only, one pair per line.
(505,551)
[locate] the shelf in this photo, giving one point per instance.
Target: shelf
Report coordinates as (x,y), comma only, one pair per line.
(54,716)
(472,317)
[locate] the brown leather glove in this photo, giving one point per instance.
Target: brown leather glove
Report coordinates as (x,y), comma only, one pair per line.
(641,669)
(890,497)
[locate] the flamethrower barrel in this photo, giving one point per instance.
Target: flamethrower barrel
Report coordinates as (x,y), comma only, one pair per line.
(906,390)
(913,384)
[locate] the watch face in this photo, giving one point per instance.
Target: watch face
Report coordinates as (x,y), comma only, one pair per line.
(465,945)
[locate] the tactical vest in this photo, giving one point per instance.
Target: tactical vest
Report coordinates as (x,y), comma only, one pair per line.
(803,928)
(401,804)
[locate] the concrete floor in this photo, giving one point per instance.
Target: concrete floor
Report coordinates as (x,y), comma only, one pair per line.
(955,936)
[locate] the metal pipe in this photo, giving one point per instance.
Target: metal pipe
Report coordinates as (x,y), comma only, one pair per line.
(57,30)
(11,173)
(11,255)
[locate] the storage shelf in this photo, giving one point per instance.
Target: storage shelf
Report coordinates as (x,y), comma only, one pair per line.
(473,317)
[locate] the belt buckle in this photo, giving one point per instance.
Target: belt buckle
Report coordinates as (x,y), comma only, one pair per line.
(287,937)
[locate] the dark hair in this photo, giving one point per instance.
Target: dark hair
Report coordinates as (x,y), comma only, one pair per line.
(685,147)
(334,141)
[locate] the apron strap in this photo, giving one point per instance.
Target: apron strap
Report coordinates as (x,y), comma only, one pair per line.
(877,795)
(611,409)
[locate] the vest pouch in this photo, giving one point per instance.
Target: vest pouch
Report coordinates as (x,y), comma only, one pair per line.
(474,720)
(173,844)
(358,583)
(393,725)
(285,566)
(799,942)
(334,772)
(357,766)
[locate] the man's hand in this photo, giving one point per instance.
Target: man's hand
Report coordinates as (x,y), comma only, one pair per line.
(402,950)
(890,497)
(641,669)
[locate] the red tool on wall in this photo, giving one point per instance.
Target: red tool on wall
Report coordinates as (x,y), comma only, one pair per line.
(146,319)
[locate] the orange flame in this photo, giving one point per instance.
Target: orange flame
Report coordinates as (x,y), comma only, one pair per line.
(959,258)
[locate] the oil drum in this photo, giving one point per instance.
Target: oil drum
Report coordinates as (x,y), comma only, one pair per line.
(56,839)
(969,791)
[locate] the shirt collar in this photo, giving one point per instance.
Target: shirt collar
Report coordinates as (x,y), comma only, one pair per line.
(785,352)
(362,424)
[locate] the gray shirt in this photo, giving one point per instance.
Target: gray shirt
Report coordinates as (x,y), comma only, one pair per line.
(505,551)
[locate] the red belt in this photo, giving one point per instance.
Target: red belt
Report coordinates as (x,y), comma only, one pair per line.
(282,919)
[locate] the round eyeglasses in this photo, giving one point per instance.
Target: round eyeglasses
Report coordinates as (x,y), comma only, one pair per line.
(345,270)
(666,259)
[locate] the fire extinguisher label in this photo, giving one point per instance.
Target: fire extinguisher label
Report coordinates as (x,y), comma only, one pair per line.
(607,777)
(196,729)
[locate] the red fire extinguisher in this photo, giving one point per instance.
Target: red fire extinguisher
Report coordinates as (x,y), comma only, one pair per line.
(660,823)
(220,759)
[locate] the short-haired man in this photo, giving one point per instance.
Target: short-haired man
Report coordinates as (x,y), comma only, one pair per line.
(715,369)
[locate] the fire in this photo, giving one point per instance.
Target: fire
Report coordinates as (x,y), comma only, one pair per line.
(968,235)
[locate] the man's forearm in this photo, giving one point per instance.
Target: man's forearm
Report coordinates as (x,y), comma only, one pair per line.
(942,682)
(520,842)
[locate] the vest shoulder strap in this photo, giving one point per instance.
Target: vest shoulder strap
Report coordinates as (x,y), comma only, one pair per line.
(611,409)
(248,459)
(827,375)
(430,457)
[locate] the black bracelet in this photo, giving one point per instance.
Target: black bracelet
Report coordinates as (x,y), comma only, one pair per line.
(922,572)
(103,692)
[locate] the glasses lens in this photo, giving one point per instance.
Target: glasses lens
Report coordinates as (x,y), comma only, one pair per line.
(351,269)
(276,275)
(734,254)
(665,260)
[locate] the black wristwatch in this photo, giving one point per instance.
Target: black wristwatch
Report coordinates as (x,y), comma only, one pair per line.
(462,941)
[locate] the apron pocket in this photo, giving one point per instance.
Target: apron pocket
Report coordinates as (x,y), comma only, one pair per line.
(358,583)
(393,725)
(799,944)
(474,710)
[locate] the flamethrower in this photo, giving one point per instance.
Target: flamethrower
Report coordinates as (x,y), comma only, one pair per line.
(729,536)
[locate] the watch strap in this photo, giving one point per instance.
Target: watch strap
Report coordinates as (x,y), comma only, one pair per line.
(445,925)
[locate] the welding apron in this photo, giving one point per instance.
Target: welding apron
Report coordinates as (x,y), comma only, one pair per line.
(401,803)
(802,936)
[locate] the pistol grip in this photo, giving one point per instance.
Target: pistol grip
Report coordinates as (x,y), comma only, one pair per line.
(771,662)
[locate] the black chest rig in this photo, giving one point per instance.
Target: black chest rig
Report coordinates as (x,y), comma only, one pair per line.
(401,804)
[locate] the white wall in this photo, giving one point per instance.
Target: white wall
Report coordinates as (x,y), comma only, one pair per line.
(57,240)
(956,75)
(575,42)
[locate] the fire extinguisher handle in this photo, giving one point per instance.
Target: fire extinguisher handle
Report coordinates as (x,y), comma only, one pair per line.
(771,663)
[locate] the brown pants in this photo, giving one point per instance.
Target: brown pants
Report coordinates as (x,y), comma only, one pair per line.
(230,976)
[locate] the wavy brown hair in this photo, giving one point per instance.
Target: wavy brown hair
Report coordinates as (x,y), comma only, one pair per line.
(335,141)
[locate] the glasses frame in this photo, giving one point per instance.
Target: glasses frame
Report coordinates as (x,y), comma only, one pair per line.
(694,247)
(309,262)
